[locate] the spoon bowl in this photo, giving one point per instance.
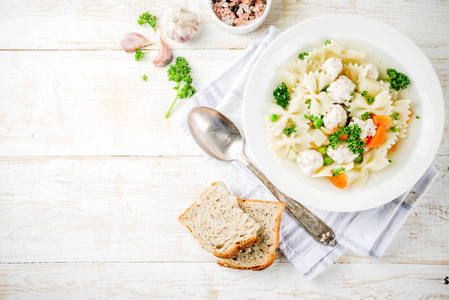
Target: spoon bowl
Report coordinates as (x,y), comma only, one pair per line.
(215,133)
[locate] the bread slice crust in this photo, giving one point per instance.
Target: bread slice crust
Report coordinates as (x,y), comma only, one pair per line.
(233,250)
(271,256)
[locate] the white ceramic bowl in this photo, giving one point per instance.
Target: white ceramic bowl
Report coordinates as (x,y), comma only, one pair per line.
(413,155)
(242,29)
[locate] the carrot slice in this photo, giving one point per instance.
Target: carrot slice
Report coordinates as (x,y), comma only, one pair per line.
(409,117)
(343,137)
(378,138)
(334,129)
(393,148)
(340,181)
(385,121)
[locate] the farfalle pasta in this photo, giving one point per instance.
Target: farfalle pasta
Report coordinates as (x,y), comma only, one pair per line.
(335,116)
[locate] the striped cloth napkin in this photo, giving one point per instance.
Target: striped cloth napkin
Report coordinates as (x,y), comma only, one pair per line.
(364,233)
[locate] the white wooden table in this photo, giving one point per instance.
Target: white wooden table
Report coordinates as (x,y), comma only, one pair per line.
(93,177)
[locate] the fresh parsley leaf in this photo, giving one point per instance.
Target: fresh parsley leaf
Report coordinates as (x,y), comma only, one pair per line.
(325,89)
(282,95)
(366,115)
(148,18)
(417,117)
(179,72)
(398,81)
(364,94)
(370,100)
(395,116)
(144,77)
(308,102)
(389,161)
(309,117)
(289,130)
(327,42)
(394,128)
(301,56)
(139,54)
(352,94)
(354,142)
(337,171)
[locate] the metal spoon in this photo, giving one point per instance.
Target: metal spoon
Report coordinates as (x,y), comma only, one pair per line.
(222,140)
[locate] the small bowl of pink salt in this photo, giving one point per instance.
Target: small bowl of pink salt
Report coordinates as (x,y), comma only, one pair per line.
(239,17)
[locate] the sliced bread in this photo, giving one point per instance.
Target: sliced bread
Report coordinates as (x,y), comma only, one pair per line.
(262,254)
(218,223)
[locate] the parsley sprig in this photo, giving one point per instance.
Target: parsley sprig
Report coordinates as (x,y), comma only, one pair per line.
(366,115)
(289,130)
(301,56)
(179,72)
(353,141)
(337,171)
(139,54)
(282,95)
(147,18)
(398,80)
(395,116)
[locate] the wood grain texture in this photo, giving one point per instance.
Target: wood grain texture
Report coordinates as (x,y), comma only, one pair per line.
(93,177)
(126,209)
(95,103)
(90,24)
(209,281)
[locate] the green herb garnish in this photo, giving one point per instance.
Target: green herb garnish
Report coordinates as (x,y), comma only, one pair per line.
(370,100)
(144,77)
(308,102)
(282,95)
(394,128)
(337,172)
(395,116)
(417,117)
(398,81)
(364,94)
(354,143)
(139,54)
(148,18)
(289,130)
(366,115)
(325,89)
(327,42)
(352,94)
(390,161)
(179,72)
(302,55)
(309,117)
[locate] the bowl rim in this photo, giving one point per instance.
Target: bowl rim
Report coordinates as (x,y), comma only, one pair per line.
(243,29)
(430,130)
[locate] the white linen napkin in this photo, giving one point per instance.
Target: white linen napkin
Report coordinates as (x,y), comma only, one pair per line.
(364,233)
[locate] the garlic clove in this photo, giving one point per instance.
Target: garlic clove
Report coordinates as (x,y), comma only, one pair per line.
(132,41)
(180,24)
(163,57)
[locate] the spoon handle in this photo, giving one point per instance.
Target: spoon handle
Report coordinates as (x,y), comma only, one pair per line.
(311,223)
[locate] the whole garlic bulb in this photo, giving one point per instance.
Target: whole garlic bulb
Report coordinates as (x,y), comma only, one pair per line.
(180,24)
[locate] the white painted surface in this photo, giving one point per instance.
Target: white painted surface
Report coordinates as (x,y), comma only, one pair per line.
(93,177)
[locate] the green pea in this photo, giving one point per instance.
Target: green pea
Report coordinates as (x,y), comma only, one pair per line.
(358,159)
(323,150)
(328,161)
(274,118)
(318,123)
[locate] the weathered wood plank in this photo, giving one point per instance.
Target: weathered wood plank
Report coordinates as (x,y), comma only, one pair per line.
(209,281)
(100,24)
(126,209)
(95,103)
